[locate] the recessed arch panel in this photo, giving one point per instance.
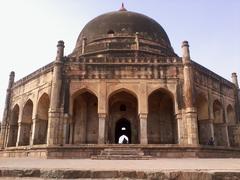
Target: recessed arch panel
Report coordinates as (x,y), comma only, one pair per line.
(161,124)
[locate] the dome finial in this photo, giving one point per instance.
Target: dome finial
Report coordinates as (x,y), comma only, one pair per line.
(122,8)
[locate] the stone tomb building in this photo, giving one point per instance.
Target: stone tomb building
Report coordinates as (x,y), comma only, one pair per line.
(123,77)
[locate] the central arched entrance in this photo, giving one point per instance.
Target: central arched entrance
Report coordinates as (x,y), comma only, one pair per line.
(123,108)
(123,128)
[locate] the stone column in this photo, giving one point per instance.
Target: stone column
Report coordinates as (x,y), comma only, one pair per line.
(34,132)
(19,134)
(71,132)
(7,134)
(6,110)
(210,112)
(35,125)
(227,136)
(188,92)
(54,109)
(180,128)
(143,128)
(101,127)
(66,129)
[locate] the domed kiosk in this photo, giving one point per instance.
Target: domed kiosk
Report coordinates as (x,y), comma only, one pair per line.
(122,93)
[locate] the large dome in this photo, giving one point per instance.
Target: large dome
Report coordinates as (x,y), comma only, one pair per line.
(124,23)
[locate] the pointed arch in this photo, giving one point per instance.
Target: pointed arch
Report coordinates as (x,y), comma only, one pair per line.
(204,124)
(220,135)
(26,124)
(123,104)
(13,126)
(41,124)
(161,124)
(85,117)
(218,112)
(123,90)
(202,107)
(231,114)
(83,90)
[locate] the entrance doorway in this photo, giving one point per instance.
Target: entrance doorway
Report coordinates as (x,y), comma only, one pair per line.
(123,132)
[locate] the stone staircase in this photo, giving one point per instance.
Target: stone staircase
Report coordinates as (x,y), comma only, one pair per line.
(127,153)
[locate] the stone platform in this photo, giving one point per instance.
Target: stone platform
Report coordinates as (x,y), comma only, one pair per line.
(136,150)
(178,169)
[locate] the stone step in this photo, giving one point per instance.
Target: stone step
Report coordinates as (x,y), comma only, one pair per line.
(120,157)
(120,152)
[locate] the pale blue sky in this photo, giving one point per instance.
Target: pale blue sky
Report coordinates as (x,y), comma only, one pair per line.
(30,30)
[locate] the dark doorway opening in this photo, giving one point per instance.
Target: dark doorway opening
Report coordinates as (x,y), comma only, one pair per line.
(123,127)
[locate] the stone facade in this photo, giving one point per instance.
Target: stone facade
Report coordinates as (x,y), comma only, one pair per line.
(121,79)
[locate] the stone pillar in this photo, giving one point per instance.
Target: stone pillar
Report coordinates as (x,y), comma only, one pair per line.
(180,128)
(19,134)
(35,124)
(101,127)
(7,134)
(210,112)
(143,128)
(53,135)
(188,92)
(227,135)
(34,132)
(71,132)
(66,129)
(192,127)
(19,126)
(6,110)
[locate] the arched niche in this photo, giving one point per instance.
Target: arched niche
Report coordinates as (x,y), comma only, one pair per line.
(204,123)
(218,112)
(161,124)
(41,124)
(26,124)
(85,118)
(202,107)
(220,133)
(231,114)
(13,126)
(231,120)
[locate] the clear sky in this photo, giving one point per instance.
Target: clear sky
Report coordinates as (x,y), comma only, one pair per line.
(30,29)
